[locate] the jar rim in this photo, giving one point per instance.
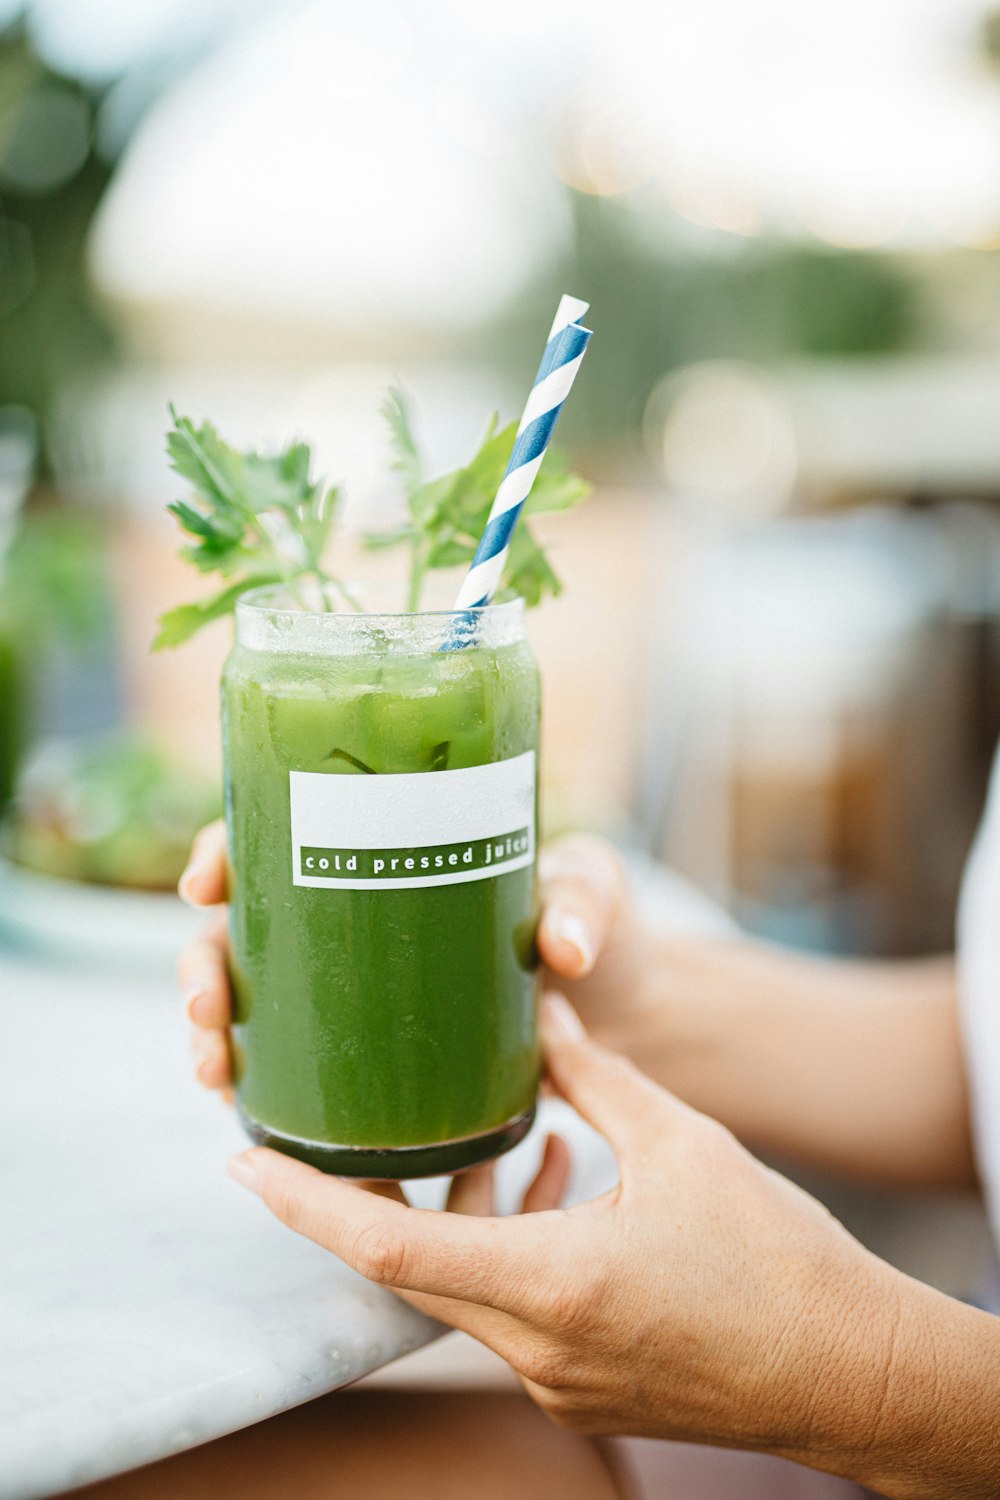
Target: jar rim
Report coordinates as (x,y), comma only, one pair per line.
(258,599)
(270,619)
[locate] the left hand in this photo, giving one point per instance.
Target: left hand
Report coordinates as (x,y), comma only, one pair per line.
(705,1298)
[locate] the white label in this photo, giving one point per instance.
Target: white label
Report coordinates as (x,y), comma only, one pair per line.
(373,833)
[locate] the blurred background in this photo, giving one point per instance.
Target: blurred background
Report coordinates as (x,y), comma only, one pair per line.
(776,663)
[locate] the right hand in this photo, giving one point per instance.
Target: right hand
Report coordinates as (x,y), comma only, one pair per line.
(592,944)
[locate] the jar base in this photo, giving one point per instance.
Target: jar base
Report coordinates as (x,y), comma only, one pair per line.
(394,1163)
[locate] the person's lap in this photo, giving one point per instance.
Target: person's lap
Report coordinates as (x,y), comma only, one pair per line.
(385,1445)
(482,1445)
(682,1471)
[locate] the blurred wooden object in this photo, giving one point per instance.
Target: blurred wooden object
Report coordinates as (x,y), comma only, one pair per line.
(828,776)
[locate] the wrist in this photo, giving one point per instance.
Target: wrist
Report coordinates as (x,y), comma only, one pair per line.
(849,1353)
(905,1401)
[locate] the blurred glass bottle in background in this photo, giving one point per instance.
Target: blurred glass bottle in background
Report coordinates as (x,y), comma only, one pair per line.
(11,708)
(17,458)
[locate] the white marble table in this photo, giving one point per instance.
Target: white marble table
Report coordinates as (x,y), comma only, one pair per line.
(147,1303)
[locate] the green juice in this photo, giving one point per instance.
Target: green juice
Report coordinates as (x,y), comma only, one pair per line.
(381,811)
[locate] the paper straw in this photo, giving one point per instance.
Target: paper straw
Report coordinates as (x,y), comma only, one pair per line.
(556,373)
(570,310)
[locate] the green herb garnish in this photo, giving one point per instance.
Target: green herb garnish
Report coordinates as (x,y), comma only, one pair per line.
(256,519)
(447,516)
(259,519)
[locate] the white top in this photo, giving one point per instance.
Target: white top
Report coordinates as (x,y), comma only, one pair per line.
(979,976)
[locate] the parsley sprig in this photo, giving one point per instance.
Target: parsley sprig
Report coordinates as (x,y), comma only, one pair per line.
(257,519)
(448,515)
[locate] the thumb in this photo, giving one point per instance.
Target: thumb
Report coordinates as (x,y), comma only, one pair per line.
(630,1111)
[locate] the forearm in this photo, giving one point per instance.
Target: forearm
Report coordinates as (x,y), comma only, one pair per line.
(854,1067)
(909,1404)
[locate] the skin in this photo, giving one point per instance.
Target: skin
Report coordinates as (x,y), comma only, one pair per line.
(706,1298)
(853,1067)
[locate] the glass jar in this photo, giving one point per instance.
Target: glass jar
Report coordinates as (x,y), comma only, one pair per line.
(381,798)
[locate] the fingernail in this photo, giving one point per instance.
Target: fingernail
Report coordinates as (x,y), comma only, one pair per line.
(567,927)
(184,884)
(195,992)
(559,1016)
(244,1171)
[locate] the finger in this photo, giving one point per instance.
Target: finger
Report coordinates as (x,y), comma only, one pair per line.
(204,978)
(629,1110)
(481,1322)
(489,1261)
(204,881)
(498,1330)
(212,1066)
(384,1187)
(472,1192)
(551,1180)
(583,885)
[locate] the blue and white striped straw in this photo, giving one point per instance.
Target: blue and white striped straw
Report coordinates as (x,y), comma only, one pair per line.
(561,360)
(570,310)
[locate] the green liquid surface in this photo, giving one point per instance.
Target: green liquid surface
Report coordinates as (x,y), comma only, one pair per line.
(376,1019)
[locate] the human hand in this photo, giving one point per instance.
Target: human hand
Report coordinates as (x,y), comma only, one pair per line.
(589,940)
(201,967)
(705,1298)
(593,944)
